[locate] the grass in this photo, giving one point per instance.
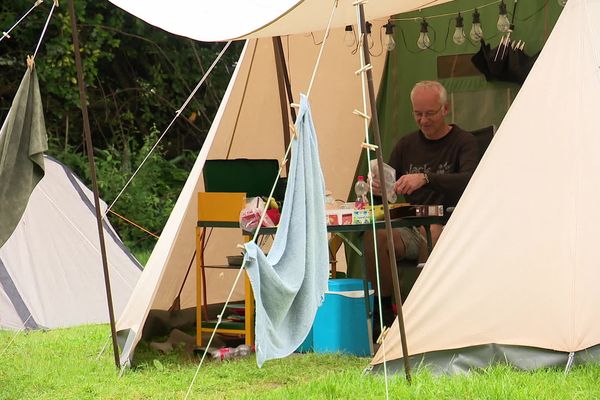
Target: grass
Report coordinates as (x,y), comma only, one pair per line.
(63,364)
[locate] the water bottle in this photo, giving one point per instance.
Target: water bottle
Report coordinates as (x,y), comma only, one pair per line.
(227,353)
(361,189)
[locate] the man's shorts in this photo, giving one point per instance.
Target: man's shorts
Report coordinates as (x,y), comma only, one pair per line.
(413,240)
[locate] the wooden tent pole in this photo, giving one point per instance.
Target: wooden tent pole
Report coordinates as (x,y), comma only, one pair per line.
(92,166)
(386,210)
(285,91)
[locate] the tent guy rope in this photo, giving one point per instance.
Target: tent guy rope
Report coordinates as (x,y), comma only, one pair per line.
(7,33)
(54,5)
(177,114)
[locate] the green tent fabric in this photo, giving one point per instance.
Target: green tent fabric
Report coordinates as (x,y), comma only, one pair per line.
(23,141)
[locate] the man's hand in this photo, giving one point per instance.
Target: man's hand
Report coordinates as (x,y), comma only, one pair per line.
(408,183)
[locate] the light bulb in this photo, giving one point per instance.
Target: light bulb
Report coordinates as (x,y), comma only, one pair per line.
(476,31)
(459,33)
(503,24)
(388,41)
(562,3)
(349,38)
(423,42)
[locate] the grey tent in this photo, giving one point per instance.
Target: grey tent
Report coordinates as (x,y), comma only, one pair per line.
(50,268)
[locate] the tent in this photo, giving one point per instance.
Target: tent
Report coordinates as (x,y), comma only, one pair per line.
(50,268)
(514,276)
(249,121)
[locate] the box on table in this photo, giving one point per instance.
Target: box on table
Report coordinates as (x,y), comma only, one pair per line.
(340,216)
(341,322)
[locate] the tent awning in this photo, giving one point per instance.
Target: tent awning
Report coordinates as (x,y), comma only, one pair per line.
(211,21)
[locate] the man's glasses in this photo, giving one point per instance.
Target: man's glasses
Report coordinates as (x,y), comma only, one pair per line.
(427,114)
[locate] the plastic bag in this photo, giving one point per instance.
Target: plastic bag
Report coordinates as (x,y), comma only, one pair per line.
(250,214)
(389,174)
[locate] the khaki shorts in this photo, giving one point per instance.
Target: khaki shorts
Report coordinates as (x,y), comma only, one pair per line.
(413,240)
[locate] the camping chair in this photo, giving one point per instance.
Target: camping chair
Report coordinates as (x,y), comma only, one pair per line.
(220,210)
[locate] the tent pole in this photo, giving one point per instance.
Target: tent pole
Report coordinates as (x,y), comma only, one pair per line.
(386,209)
(90,154)
(285,92)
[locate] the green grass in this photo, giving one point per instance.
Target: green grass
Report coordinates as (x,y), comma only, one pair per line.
(63,364)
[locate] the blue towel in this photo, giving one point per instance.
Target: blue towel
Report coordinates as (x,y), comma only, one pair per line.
(289,284)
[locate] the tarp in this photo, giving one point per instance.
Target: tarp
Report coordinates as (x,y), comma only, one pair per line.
(517,264)
(211,21)
(23,141)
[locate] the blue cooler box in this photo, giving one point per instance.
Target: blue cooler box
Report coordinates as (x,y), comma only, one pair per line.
(341,322)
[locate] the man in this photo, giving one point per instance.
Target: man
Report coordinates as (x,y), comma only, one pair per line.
(433,166)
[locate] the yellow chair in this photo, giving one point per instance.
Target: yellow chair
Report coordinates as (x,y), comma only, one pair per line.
(216,209)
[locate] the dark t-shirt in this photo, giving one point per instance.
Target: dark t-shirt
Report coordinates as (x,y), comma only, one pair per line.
(449,163)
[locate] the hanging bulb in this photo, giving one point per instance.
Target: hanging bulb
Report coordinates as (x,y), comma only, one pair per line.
(423,42)
(349,38)
(459,32)
(476,31)
(562,3)
(388,41)
(370,40)
(503,24)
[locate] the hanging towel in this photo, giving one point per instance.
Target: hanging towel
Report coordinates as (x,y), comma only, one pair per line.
(289,284)
(23,141)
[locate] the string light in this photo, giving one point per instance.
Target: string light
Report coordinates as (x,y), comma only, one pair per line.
(423,42)
(388,41)
(349,37)
(459,32)
(476,31)
(503,24)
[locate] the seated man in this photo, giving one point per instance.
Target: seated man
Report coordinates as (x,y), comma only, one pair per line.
(433,166)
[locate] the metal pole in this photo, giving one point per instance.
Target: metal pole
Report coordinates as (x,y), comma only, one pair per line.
(386,210)
(90,154)
(285,91)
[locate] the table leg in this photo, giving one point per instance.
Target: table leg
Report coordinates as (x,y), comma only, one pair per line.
(368,313)
(199,285)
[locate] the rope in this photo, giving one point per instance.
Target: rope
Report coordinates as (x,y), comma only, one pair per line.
(54,5)
(312,79)
(177,113)
(134,224)
(363,70)
(7,33)
(15,336)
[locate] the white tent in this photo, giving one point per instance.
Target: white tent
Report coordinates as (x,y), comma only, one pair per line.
(50,268)
(514,277)
(249,122)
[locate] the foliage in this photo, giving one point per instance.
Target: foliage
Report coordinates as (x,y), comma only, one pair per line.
(64,364)
(136,77)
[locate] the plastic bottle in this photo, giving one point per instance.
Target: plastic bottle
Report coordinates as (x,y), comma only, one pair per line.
(361,189)
(227,353)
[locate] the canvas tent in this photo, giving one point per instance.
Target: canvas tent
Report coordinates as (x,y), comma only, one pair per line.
(249,124)
(514,276)
(50,268)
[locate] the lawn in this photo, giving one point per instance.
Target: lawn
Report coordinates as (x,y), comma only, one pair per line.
(64,364)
